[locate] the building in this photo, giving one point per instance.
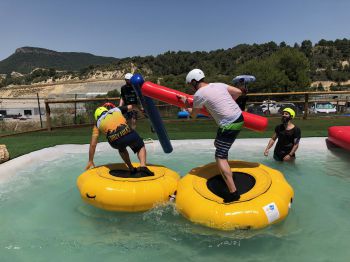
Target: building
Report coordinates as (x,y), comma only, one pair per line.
(27,108)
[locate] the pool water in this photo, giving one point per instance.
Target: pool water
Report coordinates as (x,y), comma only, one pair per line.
(44,219)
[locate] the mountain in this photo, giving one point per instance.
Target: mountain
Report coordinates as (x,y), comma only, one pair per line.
(26,59)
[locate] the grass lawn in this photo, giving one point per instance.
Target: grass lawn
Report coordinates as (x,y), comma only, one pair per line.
(183,129)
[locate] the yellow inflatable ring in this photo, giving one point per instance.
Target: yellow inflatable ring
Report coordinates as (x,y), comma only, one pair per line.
(265,198)
(111,187)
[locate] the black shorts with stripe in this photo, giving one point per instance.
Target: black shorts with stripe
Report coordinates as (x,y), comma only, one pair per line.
(225,138)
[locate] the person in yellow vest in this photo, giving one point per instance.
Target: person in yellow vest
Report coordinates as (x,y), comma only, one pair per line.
(120,136)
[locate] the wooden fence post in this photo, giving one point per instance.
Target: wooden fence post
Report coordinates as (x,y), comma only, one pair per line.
(41,121)
(75,109)
(338,107)
(48,118)
(306,106)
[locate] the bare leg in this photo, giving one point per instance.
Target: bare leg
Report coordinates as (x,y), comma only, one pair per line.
(226,173)
(124,154)
(133,123)
(142,156)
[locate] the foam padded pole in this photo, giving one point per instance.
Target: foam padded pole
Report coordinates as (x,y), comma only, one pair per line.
(170,96)
(153,114)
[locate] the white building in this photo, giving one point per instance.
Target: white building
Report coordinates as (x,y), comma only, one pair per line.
(23,108)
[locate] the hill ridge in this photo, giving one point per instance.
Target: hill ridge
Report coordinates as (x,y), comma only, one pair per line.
(26,59)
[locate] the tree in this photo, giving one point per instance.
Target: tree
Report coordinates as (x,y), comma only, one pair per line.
(295,66)
(324,42)
(320,87)
(283,44)
(306,48)
(335,87)
(296,46)
(52,72)
(329,72)
(113,93)
(285,70)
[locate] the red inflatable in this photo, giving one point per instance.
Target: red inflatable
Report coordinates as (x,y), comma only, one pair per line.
(340,136)
(170,96)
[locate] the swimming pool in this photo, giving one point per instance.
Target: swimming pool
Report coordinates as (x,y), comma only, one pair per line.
(44,219)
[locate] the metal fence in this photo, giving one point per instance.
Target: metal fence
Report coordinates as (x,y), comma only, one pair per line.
(304,103)
(79,111)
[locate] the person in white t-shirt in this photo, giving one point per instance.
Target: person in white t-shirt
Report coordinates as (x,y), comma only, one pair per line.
(219,100)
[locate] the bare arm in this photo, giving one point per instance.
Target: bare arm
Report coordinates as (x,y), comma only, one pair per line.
(193,111)
(92,149)
(121,102)
(291,153)
(270,144)
(289,156)
(294,149)
(234,92)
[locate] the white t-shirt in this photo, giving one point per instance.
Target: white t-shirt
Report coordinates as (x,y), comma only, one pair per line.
(219,103)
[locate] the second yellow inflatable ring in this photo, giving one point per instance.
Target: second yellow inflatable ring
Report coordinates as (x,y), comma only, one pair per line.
(101,188)
(267,202)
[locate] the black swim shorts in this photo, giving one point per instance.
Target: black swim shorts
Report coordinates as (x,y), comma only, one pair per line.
(132,140)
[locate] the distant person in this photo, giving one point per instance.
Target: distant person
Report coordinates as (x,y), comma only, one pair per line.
(120,136)
(128,97)
(288,136)
(219,100)
(242,100)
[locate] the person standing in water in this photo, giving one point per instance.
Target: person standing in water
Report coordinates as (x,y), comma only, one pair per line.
(219,100)
(287,135)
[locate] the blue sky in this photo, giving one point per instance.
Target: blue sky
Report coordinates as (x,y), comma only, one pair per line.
(150,27)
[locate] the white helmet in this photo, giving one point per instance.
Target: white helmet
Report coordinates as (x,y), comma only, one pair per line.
(128,76)
(195,74)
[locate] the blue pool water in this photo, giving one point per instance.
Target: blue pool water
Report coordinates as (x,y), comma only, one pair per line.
(43,218)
